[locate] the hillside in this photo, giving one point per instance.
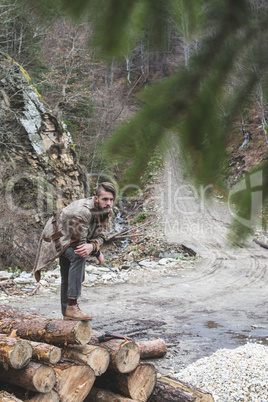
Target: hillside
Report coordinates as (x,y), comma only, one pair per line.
(39,171)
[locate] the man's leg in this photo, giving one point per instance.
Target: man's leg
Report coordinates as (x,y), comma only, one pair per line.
(64,271)
(73,285)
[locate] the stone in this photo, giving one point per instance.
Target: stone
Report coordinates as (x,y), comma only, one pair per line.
(90,268)
(21,280)
(90,278)
(107,277)
(4,275)
(167,261)
(148,263)
(44,283)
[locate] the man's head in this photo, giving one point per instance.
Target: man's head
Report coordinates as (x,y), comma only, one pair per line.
(105,196)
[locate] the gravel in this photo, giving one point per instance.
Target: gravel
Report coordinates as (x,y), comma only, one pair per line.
(232,375)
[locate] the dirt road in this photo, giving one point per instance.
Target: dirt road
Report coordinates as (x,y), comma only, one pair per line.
(220,303)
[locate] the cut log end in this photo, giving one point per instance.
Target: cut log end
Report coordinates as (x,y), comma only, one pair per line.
(137,385)
(82,332)
(99,360)
(20,354)
(128,357)
(73,381)
(55,355)
(96,357)
(43,378)
(51,396)
(145,375)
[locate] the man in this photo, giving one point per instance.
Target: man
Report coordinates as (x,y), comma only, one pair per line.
(72,234)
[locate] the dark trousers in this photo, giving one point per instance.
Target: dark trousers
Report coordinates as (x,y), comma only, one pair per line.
(72,268)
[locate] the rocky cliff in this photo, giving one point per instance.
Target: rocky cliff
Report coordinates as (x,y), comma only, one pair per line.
(38,168)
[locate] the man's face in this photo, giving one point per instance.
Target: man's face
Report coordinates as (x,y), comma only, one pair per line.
(105,201)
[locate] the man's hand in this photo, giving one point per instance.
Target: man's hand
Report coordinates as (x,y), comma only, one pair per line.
(100,259)
(84,250)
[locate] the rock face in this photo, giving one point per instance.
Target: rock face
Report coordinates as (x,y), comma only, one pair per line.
(38,168)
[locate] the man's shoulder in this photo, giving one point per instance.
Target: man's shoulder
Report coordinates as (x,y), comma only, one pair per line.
(83,204)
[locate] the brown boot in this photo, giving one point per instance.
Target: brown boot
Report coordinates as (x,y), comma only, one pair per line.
(74,313)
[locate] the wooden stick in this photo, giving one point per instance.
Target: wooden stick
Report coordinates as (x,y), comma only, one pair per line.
(130,229)
(130,235)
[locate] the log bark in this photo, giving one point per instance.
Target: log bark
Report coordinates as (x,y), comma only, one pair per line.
(45,353)
(163,392)
(170,389)
(152,348)
(57,332)
(34,377)
(51,396)
(139,384)
(14,353)
(39,328)
(94,356)
(73,381)
(7,397)
(124,354)
(102,395)
(261,243)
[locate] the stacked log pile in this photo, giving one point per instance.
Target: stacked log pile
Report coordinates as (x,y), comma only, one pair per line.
(55,360)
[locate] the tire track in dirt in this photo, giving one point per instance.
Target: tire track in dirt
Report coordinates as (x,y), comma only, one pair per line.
(222,270)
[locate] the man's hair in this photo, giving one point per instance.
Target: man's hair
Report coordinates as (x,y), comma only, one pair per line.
(106,186)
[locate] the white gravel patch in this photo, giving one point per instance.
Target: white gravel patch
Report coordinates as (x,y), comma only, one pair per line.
(232,375)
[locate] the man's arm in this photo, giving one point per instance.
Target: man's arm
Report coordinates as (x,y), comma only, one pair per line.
(92,246)
(100,259)
(99,236)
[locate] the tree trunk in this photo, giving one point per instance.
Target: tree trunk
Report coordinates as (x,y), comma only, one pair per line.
(102,395)
(124,354)
(51,396)
(45,353)
(14,352)
(139,384)
(169,389)
(35,377)
(6,397)
(46,330)
(163,392)
(74,381)
(151,349)
(94,356)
